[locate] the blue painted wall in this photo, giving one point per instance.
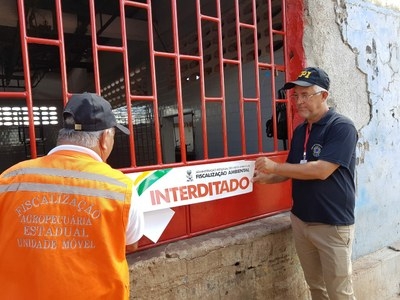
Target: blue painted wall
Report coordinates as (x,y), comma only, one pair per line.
(375,31)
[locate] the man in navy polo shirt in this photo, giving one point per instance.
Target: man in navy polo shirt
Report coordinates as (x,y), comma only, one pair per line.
(321,164)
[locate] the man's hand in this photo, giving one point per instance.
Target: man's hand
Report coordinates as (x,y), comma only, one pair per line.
(265,165)
(259,177)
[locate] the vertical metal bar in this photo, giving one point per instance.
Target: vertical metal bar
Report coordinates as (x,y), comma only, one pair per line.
(154,83)
(222,79)
(240,77)
(257,77)
(175,36)
(127,82)
(27,77)
(61,47)
(272,59)
(289,107)
(202,80)
(94,46)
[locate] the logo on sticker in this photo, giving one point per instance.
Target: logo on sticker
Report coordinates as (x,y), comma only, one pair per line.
(189,176)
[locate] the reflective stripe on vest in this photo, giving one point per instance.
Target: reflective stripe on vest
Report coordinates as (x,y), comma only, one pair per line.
(62,189)
(64,173)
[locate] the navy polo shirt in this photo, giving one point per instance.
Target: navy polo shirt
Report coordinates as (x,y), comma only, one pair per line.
(329,201)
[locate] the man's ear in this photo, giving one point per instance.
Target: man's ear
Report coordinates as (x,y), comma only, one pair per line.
(325,95)
(102,140)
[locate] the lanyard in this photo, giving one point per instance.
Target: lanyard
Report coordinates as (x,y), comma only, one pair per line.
(308,130)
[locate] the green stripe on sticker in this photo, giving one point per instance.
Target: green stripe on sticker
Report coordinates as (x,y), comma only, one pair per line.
(149,180)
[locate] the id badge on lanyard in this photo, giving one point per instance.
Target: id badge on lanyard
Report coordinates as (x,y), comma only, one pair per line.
(308,129)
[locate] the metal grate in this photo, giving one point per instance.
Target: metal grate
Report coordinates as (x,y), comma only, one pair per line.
(219,60)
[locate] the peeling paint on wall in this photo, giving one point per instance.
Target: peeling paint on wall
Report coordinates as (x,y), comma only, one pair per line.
(365,59)
(394,4)
(326,47)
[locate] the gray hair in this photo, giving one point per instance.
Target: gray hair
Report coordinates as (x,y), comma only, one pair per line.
(88,139)
(318,89)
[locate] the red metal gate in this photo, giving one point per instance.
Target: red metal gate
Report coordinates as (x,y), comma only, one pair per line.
(231,56)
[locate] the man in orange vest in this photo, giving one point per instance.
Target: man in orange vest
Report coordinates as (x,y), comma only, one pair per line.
(66,219)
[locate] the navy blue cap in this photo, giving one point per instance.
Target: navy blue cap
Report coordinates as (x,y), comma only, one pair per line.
(91,112)
(310,76)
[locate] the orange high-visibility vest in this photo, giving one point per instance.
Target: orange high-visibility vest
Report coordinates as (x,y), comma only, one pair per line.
(63,220)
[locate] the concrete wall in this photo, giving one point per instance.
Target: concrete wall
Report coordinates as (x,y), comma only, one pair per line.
(357,42)
(252,261)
